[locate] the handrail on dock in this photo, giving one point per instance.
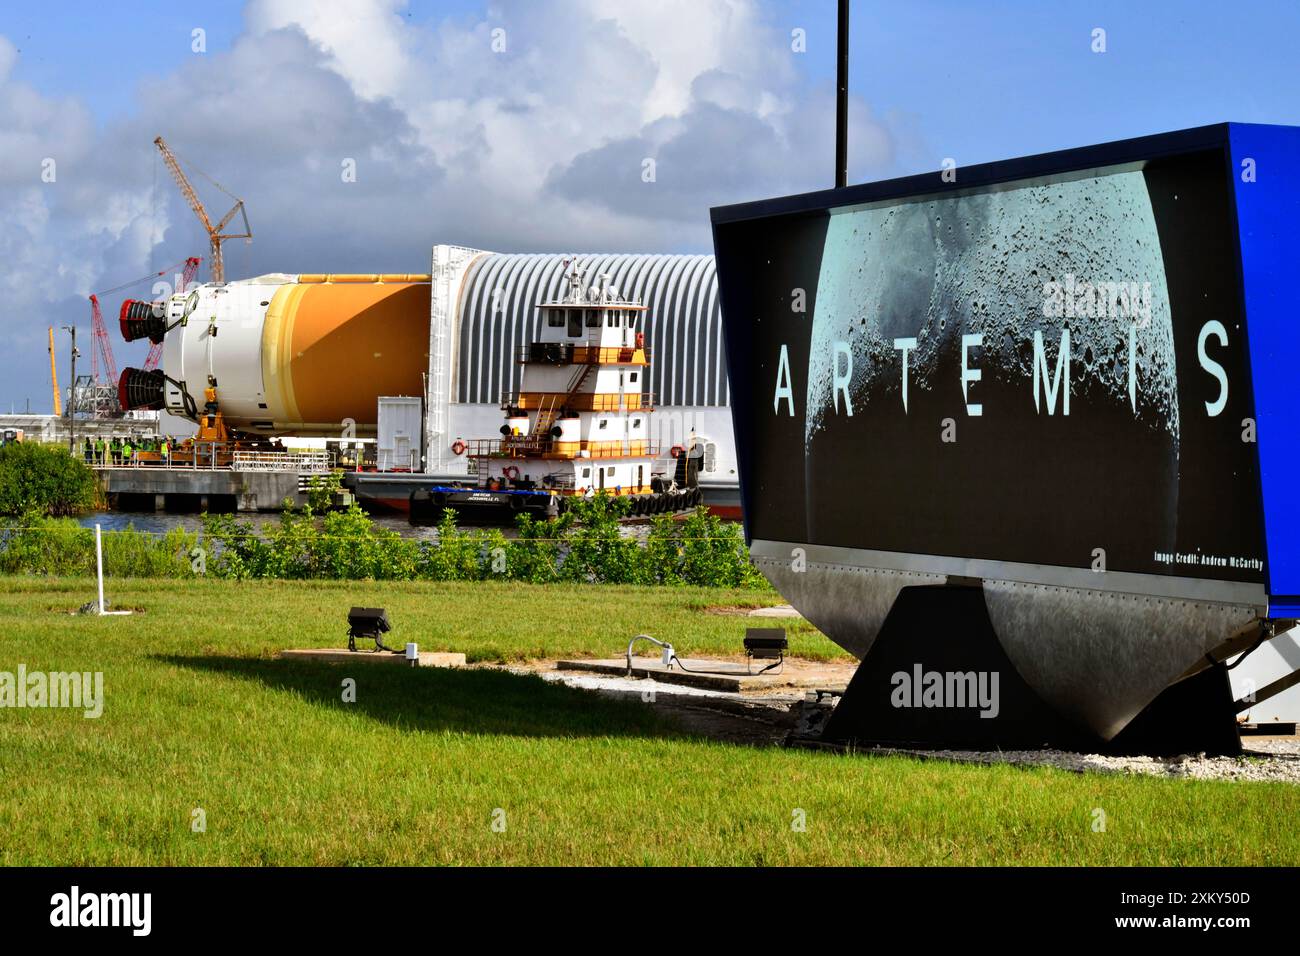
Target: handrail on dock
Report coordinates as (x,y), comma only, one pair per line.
(210,457)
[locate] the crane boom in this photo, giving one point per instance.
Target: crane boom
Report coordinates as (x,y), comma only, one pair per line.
(215,234)
(54,377)
(103,351)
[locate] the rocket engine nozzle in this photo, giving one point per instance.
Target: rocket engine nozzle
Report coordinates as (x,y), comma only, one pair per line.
(142,320)
(138,389)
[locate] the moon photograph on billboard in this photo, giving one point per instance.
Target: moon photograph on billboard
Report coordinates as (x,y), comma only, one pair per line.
(1025,374)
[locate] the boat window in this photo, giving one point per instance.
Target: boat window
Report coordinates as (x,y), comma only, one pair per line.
(604,422)
(636,423)
(575,323)
(593,318)
(611,318)
(586,472)
(631,377)
(555,318)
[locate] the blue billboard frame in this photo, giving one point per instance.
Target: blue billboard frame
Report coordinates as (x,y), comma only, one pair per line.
(1264,162)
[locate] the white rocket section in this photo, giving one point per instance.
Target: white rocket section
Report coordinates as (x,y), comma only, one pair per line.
(219,339)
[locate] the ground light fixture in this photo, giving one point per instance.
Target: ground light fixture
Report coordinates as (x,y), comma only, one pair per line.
(766,643)
(369,623)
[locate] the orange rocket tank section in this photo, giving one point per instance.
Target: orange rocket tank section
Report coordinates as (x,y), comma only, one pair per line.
(331,345)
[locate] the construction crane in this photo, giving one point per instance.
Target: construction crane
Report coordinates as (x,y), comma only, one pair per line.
(215,236)
(102,364)
(54,378)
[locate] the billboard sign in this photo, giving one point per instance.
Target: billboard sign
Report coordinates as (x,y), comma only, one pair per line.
(1047,369)
(1066,382)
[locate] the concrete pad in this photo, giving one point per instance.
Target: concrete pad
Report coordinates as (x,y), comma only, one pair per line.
(341,655)
(727,676)
(779,610)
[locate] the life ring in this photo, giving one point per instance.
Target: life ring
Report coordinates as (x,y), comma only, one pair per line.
(677,451)
(458,447)
(510,472)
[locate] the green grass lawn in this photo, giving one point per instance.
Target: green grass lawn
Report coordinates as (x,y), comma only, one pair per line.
(199,714)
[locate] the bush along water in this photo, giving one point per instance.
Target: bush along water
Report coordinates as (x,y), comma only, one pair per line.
(586,544)
(44,480)
(35,544)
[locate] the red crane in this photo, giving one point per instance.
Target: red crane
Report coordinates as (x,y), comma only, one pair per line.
(155,350)
(102,353)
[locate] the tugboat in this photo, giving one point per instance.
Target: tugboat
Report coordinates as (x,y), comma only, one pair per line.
(579,425)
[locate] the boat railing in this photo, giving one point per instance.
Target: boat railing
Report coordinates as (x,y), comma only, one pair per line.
(567,353)
(579,401)
(530,446)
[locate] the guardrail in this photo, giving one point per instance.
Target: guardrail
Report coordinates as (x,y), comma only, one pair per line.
(214,457)
(200,456)
(312,462)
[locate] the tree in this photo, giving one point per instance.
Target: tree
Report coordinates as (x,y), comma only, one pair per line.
(44,479)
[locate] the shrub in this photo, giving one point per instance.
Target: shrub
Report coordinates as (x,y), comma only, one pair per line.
(585,544)
(234,549)
(45,480)
(597,549)
(321,490)
(536,554)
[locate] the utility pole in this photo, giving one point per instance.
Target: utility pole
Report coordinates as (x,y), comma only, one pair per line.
(842,99)
(72,393)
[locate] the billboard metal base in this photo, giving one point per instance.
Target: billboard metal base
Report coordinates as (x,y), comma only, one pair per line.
(938,677)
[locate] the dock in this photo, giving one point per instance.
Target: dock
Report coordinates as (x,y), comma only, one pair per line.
(252,481)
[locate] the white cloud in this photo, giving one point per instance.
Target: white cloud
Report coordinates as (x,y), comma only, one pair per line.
(538,147)
(364,39)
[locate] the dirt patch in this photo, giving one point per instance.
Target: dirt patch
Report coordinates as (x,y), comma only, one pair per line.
(732,610)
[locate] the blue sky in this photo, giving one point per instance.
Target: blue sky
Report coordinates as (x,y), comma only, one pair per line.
(987,80)
(540,147)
